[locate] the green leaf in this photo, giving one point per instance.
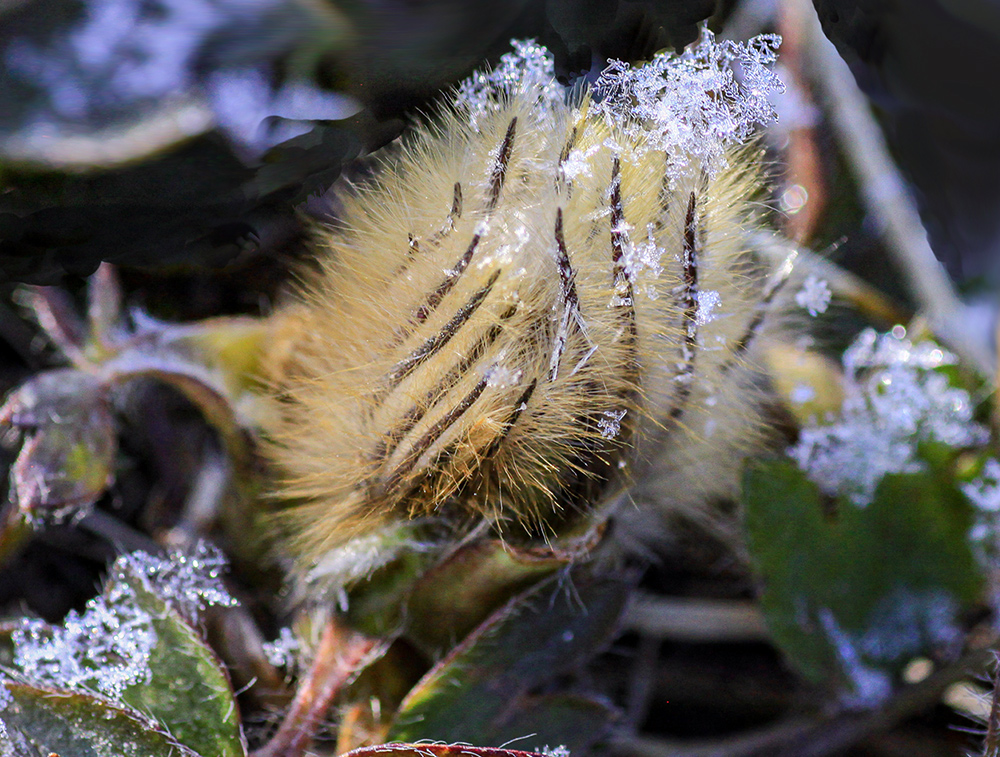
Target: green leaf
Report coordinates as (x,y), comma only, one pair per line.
(455,596)
(850,593)
(78,725)
(187,690)
(479,690)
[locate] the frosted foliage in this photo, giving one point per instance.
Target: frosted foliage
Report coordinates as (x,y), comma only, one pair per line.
(528,69)
(107,648)
(984,493)
(894,398)
(692,106)
(814,296)
(901,625)
(190,581)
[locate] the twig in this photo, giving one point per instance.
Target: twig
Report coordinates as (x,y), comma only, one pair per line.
(341,653)
(640,686)
(696,620)
(887,198)
(803,737)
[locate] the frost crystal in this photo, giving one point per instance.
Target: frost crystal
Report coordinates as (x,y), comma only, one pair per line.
(692,106)
(108,647)
(984,492)
(708,301)
(528,69)
(642,260)
(190,581)
(282,652)
(814,296)
(893,398)
(610,424)
(802,393)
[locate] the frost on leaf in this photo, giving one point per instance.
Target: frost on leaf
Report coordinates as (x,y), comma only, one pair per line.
(107,648)
(984,494)
(814,296)
(692,106)
(894,398)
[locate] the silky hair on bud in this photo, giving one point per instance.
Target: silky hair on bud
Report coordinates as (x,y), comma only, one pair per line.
(541,294)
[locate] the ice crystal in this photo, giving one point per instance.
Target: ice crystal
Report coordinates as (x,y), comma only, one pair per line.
(894,398)
(107,648)
(560,751)
(802,393)
(692,106)
(642,259)
(814,296)
(708,301)
(984,493)
(528,69)
(610,423)
(190,581)
(283,651)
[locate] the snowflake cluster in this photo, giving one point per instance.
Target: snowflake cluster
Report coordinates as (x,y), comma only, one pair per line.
(530,68)
(107,648)
(814,296)
(894,398)
(692,106)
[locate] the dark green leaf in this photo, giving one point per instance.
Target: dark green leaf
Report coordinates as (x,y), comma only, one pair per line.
(79,725)
(854,593)
(188,690)
(473,693)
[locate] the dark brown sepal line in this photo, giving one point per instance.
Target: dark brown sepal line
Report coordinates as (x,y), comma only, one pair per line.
(414,415)
(499,173)
(760,313)
(624,297)
(392,483)
(619,237)
(442,289)
(568,296)
(453,215)
(520,405)
(689,303)
(561,180)
(433,344)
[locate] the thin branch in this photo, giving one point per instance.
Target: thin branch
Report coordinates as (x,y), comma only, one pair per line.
(342,652)
(696,620)
(819,736)
(887,198)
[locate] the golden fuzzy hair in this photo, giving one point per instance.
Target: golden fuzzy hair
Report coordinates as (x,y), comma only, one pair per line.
(518,311)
